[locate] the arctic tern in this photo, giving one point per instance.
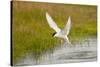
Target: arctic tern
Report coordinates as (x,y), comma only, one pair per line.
(60,33)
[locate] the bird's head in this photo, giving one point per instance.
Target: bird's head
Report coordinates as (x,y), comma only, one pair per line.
(54,34)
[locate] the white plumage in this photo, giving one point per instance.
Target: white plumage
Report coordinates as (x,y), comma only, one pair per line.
(60,33)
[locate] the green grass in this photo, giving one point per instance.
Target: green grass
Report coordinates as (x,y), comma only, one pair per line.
(31,32)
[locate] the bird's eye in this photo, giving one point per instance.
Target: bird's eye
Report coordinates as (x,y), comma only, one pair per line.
(53,33)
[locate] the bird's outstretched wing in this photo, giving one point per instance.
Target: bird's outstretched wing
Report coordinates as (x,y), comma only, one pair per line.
(67,28)
(51,23)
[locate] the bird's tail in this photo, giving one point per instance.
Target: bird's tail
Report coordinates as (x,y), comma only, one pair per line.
(67,40)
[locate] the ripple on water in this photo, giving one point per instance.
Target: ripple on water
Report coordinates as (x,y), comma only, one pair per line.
(65,54)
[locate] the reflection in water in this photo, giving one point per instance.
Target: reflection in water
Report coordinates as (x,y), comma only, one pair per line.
(85,50)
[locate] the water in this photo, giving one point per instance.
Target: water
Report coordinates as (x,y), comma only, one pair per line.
(85,50)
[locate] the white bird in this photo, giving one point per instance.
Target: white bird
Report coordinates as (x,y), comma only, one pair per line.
(60,33)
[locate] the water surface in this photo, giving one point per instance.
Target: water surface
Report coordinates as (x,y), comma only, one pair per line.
(82,51)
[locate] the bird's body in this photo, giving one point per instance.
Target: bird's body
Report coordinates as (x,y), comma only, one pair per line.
(60,33)
(63,38)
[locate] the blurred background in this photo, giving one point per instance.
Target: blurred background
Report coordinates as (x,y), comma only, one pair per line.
(31,32)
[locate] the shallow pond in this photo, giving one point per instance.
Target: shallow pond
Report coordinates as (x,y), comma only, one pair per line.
(82,51)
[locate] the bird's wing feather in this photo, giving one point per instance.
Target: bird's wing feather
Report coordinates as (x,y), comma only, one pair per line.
(67,28)
(51,23)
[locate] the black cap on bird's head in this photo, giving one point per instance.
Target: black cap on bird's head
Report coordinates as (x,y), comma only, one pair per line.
(54,34)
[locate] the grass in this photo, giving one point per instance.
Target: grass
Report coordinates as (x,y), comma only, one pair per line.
(31,32)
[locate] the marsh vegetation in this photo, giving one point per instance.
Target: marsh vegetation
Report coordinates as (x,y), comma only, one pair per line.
(30,30)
